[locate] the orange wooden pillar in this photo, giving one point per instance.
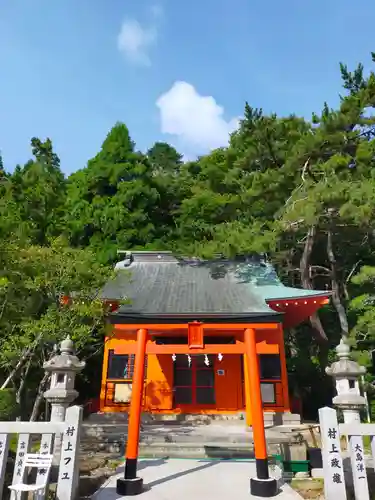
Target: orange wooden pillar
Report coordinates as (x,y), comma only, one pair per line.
(130,484)
(247,392)
(284,372)
(262,485)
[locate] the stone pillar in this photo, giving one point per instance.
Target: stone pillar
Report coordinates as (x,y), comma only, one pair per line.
(63,368)
(346,374)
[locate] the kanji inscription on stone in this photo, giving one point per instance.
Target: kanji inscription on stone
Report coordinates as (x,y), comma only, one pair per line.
(68,470)
(46,448)
(4,447)
(357,460)
(22,449)
(334,481)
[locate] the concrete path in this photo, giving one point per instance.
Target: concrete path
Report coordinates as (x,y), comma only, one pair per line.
(168,479)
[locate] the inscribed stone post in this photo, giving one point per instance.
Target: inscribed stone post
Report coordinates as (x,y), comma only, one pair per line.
(23,448)
(46,448)
(334,481)
(373,448)
(67,485)
(4,448)
(357,460)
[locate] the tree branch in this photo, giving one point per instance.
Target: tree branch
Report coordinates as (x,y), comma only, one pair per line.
(21,387)
(348,278)
(24,357)
(336,299)
(305,169)
(320,268)
(318,329)
(39,397)
(353,270)
(3,308)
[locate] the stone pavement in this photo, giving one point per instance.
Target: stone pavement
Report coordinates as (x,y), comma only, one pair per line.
(168,479)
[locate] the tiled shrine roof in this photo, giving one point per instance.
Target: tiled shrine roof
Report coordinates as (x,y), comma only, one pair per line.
(157,284)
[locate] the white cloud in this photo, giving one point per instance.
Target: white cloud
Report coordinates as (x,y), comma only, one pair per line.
(134,41)
(197,121)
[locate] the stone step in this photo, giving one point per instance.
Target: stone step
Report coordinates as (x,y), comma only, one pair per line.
(98,431)
(270,418)
(112,438)
(186,450)
(181,438)
(197,450)
(170,438)
(167,419)
(199,443)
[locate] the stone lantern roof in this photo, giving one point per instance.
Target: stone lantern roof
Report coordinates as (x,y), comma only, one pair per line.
(343,371)
(66,360)
(63,368)
(345,367)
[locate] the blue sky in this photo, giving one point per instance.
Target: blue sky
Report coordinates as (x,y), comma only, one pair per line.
(171,70)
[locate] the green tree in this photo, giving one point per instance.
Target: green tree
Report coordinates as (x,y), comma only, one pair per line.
(164,159)
(37,190)
(166,164)
(333,203)
(33,317)
(235,192)
(2,171)
(110,202)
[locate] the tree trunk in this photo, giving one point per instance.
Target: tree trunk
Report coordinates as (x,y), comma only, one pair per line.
(19,365)
(20,392)
(318,329)
(336,296)
(39,398)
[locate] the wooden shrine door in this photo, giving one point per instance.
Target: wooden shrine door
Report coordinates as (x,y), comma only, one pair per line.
(194,382)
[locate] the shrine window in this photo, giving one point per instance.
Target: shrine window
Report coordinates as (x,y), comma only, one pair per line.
(121,366)
(270,366)
(268,391)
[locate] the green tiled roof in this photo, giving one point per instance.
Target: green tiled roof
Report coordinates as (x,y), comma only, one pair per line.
(160,284)
(281,292)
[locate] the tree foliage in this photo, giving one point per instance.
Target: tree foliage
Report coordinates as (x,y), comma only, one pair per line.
(33,317)
(110,203)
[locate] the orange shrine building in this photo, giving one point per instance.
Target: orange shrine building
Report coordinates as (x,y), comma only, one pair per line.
(195,314)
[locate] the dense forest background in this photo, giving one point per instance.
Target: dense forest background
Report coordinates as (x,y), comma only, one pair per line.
(302,192)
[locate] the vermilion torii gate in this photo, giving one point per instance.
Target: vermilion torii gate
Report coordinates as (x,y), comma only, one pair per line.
(262,485)
(235,310)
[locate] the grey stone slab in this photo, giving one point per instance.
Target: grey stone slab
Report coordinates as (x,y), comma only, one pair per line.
(317,473)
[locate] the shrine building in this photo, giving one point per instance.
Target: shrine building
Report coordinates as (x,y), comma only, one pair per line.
(193,317)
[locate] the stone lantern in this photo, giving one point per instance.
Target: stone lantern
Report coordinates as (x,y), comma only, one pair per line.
(63,368)
(346,374)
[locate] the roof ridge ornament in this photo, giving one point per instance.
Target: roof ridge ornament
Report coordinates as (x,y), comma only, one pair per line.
(144,256)
(128,260)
